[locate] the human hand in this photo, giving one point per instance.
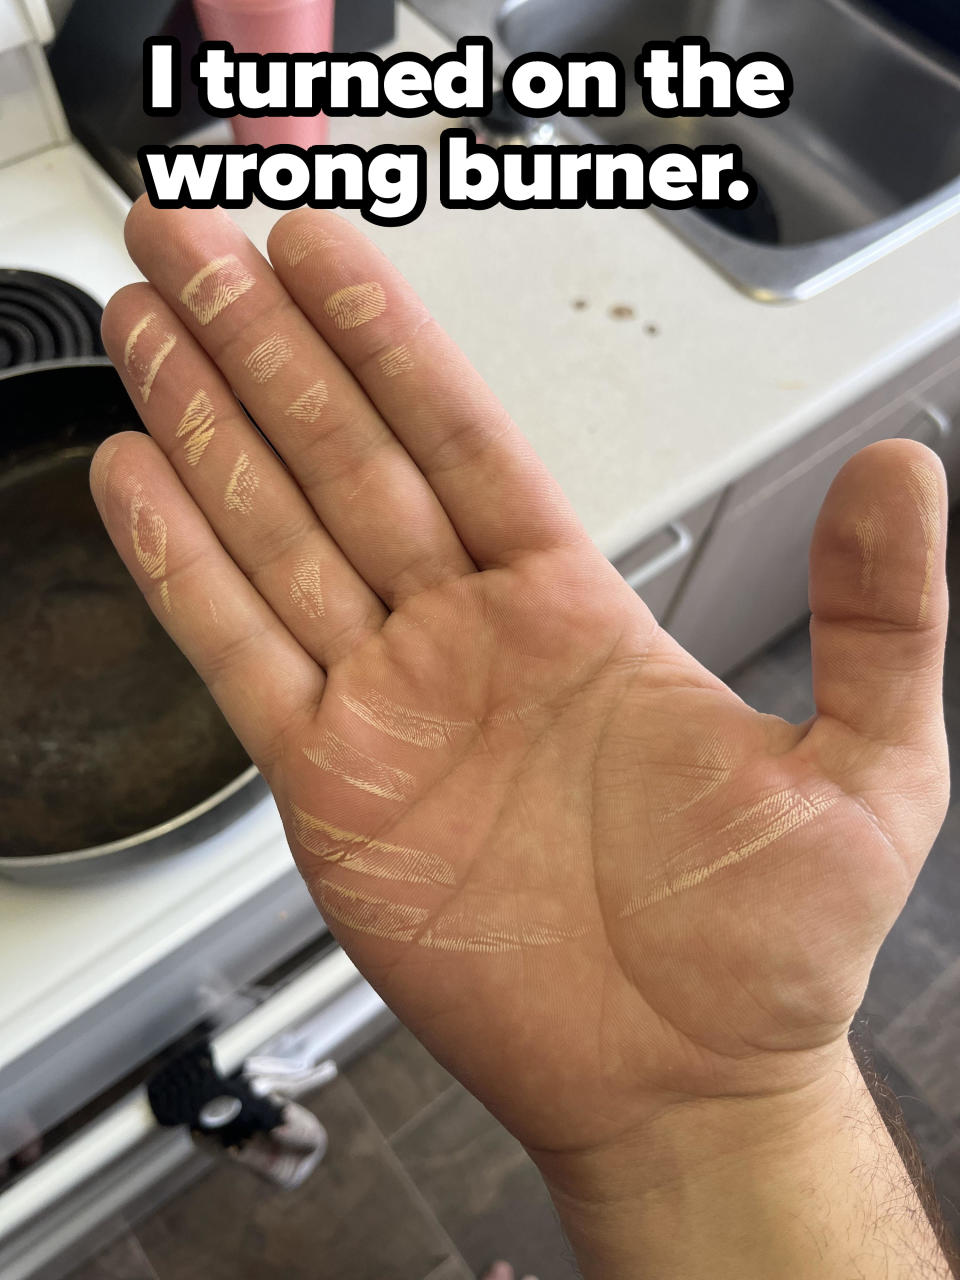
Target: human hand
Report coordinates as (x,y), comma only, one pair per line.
(591,879)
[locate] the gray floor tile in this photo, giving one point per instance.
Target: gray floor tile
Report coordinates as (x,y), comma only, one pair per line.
(947,1178)
(924,1042)
(779,682)
(940,879)
(452,1269)
(357,1218)
(921,946)
(932,1132)
(484,1189)
(122,1260)
(397,1081)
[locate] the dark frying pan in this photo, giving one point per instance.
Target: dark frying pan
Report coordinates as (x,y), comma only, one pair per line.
(109,741)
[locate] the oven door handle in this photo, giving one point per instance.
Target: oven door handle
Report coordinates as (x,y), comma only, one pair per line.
(676,553)
(131,1122)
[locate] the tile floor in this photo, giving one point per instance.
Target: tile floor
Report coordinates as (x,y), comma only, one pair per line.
(422,1184)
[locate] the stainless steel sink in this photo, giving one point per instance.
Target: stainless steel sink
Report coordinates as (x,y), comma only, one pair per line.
(866,157)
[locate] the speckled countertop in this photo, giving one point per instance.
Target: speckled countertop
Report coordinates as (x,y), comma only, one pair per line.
(644,415)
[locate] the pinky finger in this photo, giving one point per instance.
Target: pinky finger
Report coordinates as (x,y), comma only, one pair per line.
(261,678)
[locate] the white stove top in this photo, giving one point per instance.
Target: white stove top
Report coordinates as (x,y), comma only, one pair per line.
(59,213)
(65,949)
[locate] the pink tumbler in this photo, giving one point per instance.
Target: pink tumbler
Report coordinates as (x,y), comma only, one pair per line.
(272,26)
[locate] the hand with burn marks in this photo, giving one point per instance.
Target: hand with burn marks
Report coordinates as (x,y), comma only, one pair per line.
(595,883)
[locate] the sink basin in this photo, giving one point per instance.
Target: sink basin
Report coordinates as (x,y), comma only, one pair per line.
(866,157)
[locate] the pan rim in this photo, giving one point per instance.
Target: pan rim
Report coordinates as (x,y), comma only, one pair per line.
(46,366)
(128,844)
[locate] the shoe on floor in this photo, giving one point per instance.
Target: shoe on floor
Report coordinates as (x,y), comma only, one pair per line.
(503,1271)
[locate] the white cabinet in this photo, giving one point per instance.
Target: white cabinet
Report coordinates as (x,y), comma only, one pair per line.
(749,583)
(657,566)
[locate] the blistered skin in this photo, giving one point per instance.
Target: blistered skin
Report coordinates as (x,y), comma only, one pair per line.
(369,914)
(377,858)
(755,828)
(925,490)
(215,287)
(267,358)
(148,533)
(146,349)
(356,305)
(146,386)
(404,725)
(241,487)
(310,405)
(356,769)
(396,362)
(302,243)
(306,589)
(196,428)
(871,536)
(489,932)
(493,930)
(134,337)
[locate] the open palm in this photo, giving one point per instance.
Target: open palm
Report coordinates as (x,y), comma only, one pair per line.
(582,870)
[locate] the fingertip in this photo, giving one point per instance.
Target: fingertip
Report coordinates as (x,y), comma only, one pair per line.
(125,297)
(137,210)
(302,232)
(174,237)
(100,468)
(878,594)
(123,309)
(890,457)
(140,214)
(104,473)
(879,547)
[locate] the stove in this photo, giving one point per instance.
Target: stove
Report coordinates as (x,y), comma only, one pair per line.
(99,977)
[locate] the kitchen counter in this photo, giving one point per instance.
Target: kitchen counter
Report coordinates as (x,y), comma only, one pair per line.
(660,386)
(668,383)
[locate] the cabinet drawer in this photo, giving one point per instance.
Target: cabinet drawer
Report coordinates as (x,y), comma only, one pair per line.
(656,567)
(939,395)
(25,118)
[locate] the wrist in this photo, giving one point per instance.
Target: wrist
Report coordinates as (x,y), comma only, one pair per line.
(797,1184)
(695,1140)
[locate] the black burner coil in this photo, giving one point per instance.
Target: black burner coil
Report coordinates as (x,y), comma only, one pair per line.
(43,318)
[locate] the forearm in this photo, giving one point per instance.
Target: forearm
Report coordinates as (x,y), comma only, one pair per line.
(799,1187)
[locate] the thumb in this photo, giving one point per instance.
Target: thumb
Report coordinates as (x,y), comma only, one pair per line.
(878,595)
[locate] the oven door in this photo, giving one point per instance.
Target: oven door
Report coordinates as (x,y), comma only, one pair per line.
(121,1164)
